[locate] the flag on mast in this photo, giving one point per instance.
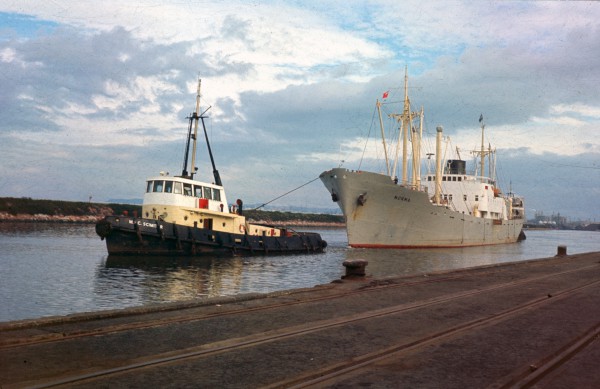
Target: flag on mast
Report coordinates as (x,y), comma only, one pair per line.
(385,94)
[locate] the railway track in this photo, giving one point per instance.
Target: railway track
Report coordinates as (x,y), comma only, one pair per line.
(329,374)
(92,373)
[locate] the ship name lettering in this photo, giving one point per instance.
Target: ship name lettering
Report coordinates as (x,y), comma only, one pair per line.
(402,198)
(144,224)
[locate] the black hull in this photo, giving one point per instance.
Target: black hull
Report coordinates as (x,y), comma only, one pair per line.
(126,235)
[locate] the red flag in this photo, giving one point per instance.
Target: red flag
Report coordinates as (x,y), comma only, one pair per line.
(385,94)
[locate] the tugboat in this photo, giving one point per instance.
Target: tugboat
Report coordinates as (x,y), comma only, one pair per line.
(182,216)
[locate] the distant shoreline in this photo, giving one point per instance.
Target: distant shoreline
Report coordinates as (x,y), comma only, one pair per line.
(24,218)
(90,219)
(27,210)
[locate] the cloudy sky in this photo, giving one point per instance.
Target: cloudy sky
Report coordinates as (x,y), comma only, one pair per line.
(94,97)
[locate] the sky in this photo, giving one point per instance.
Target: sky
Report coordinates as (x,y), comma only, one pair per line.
(94,99)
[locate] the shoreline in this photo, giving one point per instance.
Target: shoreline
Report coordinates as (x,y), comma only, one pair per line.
(90,219)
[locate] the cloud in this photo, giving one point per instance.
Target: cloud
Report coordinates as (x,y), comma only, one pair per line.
(101,93)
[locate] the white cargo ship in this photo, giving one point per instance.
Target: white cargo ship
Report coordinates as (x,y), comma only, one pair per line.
(443,208)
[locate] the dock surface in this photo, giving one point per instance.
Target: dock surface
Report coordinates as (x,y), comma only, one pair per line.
(521,324)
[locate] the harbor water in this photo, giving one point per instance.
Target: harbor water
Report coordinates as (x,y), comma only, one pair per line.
(49,269)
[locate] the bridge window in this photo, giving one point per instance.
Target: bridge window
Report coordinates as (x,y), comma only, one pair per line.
(216,195)
(177,189)
(168,186)
(158,186)
(149,187)
(187,189)
(207,193)
(197,191)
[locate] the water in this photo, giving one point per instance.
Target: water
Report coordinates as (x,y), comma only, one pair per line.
(59,269)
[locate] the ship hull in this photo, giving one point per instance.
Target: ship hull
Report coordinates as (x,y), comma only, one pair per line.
(382,214)
(137,236)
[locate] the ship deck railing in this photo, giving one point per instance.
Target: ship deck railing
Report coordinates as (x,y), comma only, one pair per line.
(418,188)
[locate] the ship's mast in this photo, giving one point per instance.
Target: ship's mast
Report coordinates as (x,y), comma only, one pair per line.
(482,152)
(191,136)
(417,152)
(210,154)
(184,172)
(195,118)
(195,137)
(438,165)
(406,125)
(387,164)
(405,120)
(399,118)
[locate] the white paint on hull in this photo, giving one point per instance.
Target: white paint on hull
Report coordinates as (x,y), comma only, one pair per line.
(394,216)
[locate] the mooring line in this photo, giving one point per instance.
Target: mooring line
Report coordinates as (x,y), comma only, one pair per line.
(285,194)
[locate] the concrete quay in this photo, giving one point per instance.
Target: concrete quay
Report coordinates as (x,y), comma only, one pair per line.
(522,324)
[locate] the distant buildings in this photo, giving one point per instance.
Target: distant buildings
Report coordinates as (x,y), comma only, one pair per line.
(556,221)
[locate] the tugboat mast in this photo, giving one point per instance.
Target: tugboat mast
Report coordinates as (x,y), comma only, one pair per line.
(195,137)
(216,174)
(194,119)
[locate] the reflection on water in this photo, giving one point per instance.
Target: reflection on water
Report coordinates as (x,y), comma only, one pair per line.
(539,244)
(162,279)
(57,269)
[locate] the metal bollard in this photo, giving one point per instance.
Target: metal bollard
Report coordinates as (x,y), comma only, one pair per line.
(355,267)
(561,251)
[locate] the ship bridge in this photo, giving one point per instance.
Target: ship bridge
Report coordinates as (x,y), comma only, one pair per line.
(182,192)
(469,194)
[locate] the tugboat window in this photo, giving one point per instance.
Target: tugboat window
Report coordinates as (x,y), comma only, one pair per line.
(216,194)
(177,189)
(197,191)
(149,187)
(158,186)
(207,193)
(187,189)
(168,186)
